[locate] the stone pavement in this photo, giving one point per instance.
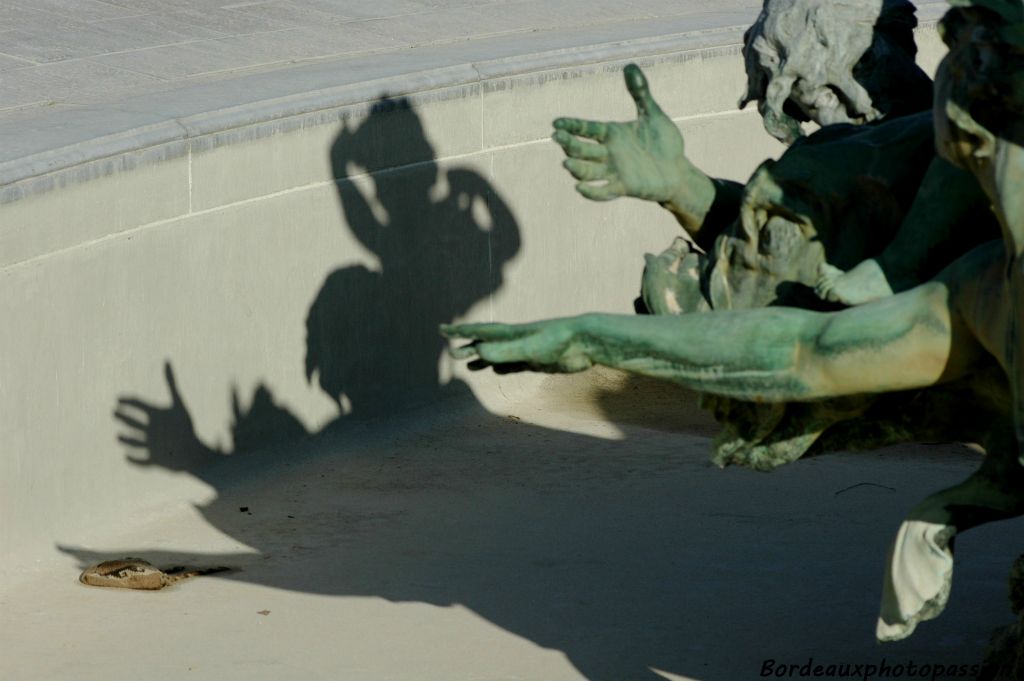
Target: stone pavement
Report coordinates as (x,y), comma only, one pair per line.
(76,70)
(68,52)
(72,70)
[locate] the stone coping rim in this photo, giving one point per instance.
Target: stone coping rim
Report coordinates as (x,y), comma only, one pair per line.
(261,111)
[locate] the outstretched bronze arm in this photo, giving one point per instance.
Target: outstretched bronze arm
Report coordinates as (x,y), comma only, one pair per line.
(762,355)
(646,159)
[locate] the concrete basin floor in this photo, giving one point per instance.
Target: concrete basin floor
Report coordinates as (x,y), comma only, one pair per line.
(536,543)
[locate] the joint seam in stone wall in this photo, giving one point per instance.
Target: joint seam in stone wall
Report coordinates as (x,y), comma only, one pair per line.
(190,192)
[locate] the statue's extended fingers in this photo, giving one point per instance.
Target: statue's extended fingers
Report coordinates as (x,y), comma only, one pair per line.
(586,170)
(467,351)
(577,148)
(600,192)
(536,352)
(639,90)
(487,331)
(504,352)
(595,130)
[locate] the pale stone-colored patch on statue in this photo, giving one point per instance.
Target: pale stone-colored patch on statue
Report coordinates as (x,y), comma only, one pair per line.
(805,51)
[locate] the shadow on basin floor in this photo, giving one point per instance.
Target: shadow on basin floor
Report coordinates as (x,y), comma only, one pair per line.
(628,555)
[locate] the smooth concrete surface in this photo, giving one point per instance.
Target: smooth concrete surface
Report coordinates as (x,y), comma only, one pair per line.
(254,263)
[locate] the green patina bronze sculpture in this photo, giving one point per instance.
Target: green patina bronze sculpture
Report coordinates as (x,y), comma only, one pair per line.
(751,308)
(832,62)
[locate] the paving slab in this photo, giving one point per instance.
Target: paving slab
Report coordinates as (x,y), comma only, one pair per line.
(258,34)
(71,73)
(70,70)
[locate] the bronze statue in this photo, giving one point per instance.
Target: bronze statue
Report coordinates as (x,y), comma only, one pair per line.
(737,316)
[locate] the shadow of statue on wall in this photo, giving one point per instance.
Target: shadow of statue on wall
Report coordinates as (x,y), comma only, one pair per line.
(442,238)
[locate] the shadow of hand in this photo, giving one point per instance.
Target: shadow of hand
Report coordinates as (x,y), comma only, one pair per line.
(263,424)
(165,435)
